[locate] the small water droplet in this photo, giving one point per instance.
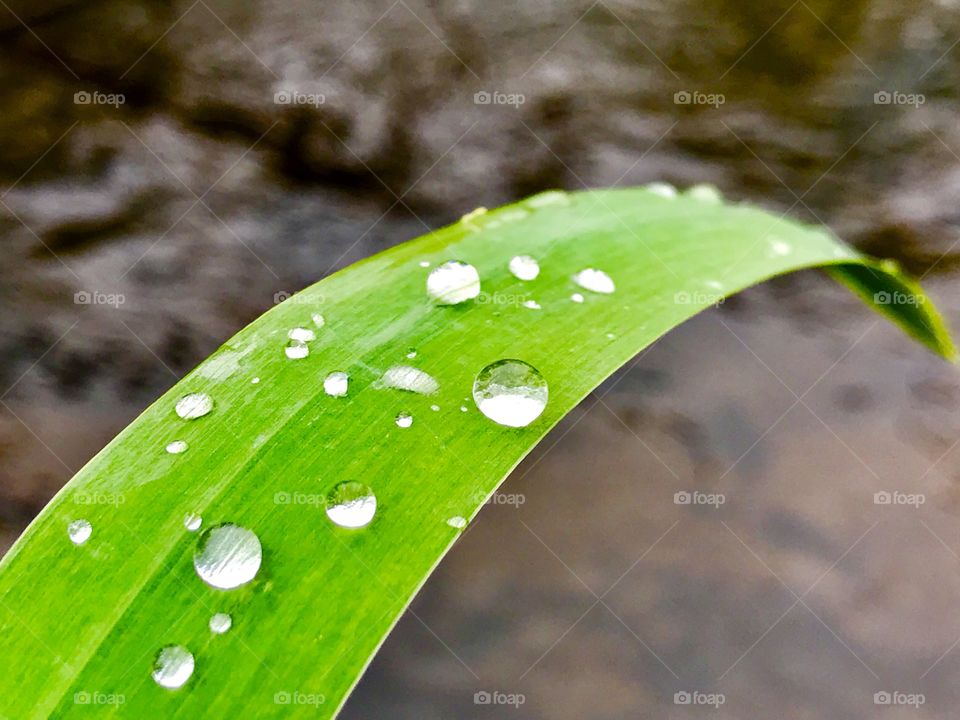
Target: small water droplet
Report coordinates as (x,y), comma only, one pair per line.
(577,298)
(79,531)
(595,281)
(513,214)
(532,304)
(424,263)
(172,667)
(713,284)
(457,522)
(463,408)
(611,336)
(302,334)
(194,405)
(524,267)
(510,392)
(296,350)
(470,217)
(411,353)
(192,522)
(548,198)
(220,623)
(177,447)
(227,556)
(404,420)
(664,190)
(351,505)
(704,192)
(318,320)
(411,379)
(255,380)
(778,248)
(453,282)
(336,384)
(435,408)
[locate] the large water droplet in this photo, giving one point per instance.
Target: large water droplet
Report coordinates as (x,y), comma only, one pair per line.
(404,420)
(411,379)
(227,556)
(296,350)
(336,384)
(220,623)
(79,531)
(595,281)
(194,405)
(192,522)
(524,267)
(173,666)
(453,282)
(665,190)
(177,447)
(351,505)
(302,334)
(510,392)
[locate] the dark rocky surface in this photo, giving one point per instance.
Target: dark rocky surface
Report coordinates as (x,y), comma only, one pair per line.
(200,197)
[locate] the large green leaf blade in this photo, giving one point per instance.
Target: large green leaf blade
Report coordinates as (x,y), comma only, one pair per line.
(90,619)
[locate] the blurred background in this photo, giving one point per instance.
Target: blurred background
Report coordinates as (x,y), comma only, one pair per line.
(169,169)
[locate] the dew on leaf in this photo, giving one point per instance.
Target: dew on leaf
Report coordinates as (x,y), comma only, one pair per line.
(664,190)
(192,522)
(510,392)
(404,420)
(302,334)
(577,298)
(318,320)
(411,379)
(524,267)
(336,384)
(595,281)
(548,199)
(351,505)
(227,556)
(532,304)
(194,405)
(172,667)
(457,522)
(296,350)
(177,447)
(79,531)
(220,623)
(453,282)
(704,192)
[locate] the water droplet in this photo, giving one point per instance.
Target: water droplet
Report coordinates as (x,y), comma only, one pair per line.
(513,214)
(611,336)
(510,392)
(177,447)
(463,408)
(411,379)
(255,380)
(524,267)
(192,522)
(194,405)
(457,522)
(713,284)
(453,282)
(173,667)
(595,280)
(336,384)
(471,216)
(220,623)
(404,420)
(296,350)
(411,354)
(532,304)
(435,408)
(351,505)
(779,248)
(227,556)
(577,298)
(704,192)
(302,334)
(318,320)
(548,198)
(79,531)
(665,190)
(424,263)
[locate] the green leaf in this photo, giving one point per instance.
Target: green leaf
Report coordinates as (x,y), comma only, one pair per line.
(78,620)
